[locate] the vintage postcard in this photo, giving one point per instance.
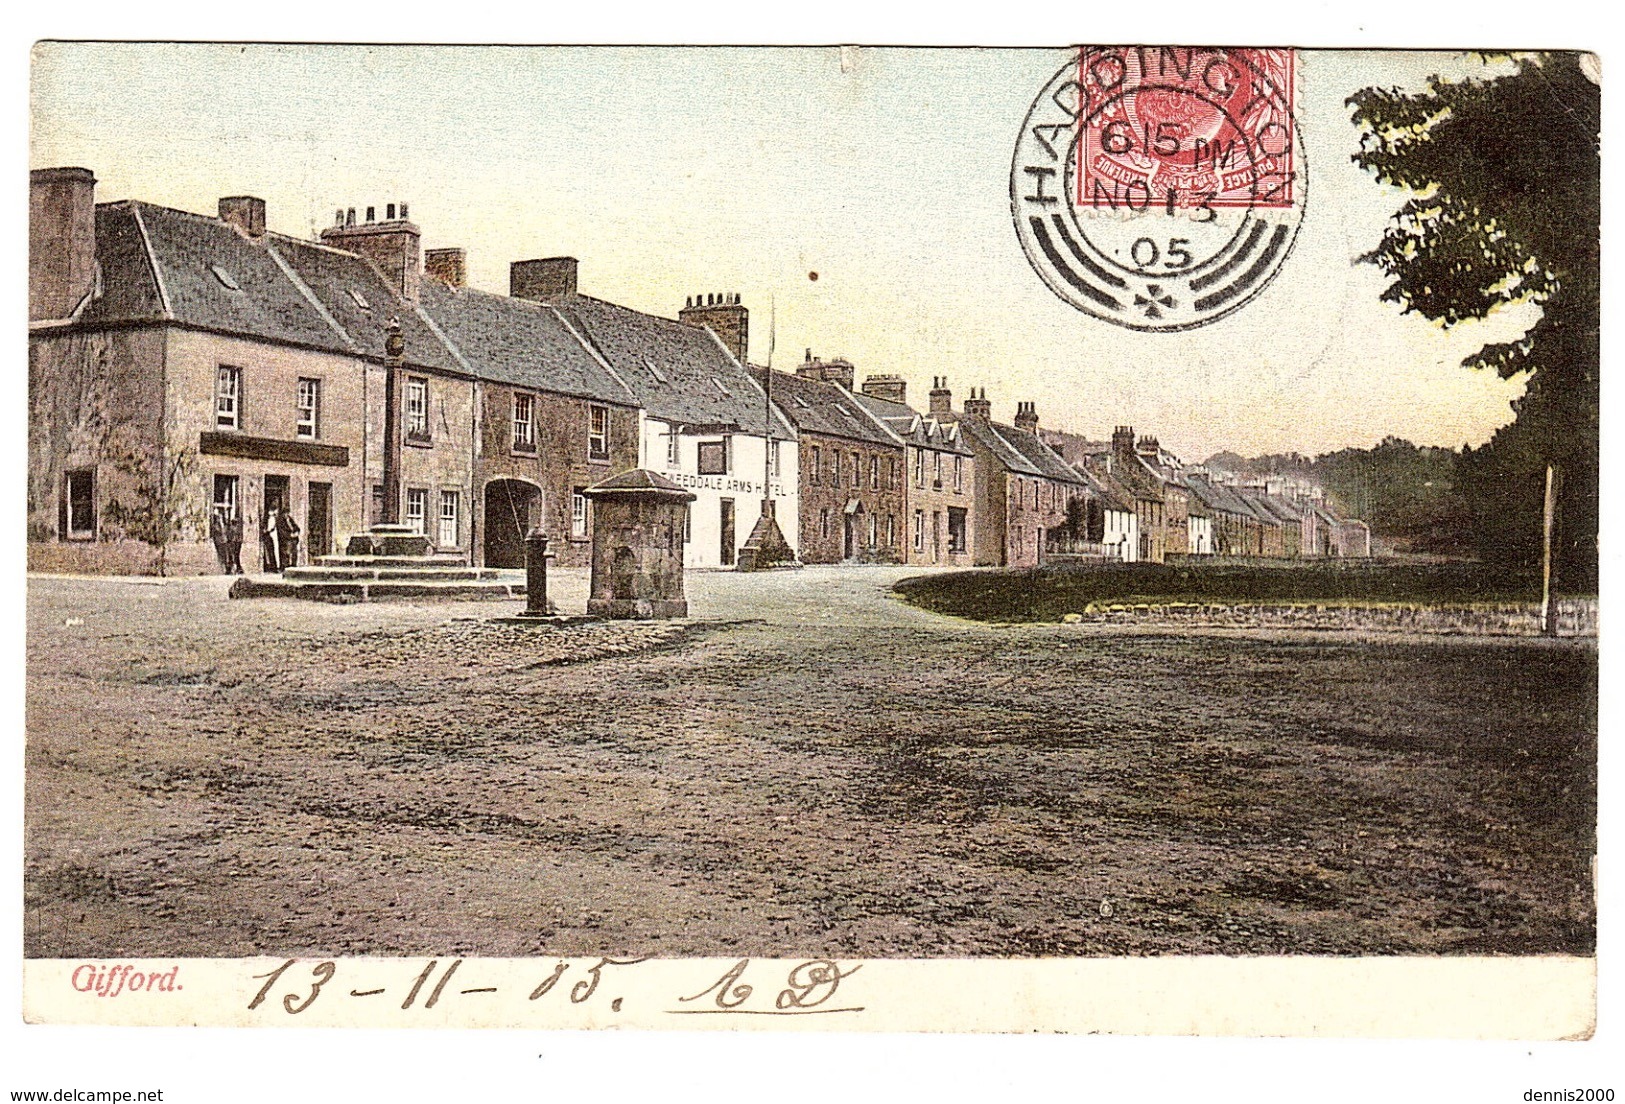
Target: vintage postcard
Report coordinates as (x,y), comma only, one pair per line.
(1090,539)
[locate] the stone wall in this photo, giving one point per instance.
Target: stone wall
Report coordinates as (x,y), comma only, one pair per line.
(95,402)
(1577,617)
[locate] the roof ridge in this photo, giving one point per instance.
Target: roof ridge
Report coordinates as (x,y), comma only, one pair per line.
(311,297)
(152,259)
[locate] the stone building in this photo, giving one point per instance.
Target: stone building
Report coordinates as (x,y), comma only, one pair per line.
(851,466)
(939,519)
(182,363)
(554,419)
(1022,486)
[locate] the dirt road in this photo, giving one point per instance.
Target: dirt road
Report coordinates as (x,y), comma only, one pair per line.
(807,766)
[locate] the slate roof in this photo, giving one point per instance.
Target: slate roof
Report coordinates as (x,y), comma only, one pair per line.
(1019,451)
(161,263)
(1216,496)
(1103,487)
(815,406)
(679,373)
(913,427)
(336,277)
(518,342)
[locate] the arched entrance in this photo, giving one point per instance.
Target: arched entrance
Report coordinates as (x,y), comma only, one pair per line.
(512,506)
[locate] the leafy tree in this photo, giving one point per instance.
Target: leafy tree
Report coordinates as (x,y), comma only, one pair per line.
(1505,176)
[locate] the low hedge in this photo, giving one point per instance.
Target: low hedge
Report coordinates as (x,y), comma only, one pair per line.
(1049,593)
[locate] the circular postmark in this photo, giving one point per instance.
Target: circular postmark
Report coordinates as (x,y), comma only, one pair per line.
(1161,188)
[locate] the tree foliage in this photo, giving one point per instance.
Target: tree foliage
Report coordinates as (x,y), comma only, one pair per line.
(1505,179)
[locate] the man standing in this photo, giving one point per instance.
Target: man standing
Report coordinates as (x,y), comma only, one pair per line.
(287,533)
(218,522)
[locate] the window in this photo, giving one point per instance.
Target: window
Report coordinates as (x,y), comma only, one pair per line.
(823,521)
(79,505)
(874,477)
(672,453)
(919,530)
(919,467)
(891,530)
(308,423)
(874,530)
(451,505)
(225,494)
(228,398)
(578,514)
(835,467)
(714,457)
(817,465)
(936,461)
(417,408)
(417,508)
(598,432)
(524,422)
(777,470)
(857,470)
(959,475)
(956,529)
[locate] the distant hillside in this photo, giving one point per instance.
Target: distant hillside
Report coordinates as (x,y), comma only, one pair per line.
(1405,493)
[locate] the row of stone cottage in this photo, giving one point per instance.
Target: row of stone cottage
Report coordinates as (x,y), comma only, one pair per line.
(183,366)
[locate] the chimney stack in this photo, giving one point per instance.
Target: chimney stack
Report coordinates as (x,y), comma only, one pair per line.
(977,405)
(246,213)
(393,245)
(1148,447)
(942,399)
(722,314)
(1123,446)
(61,241)
(546,280)
(1027,417)
(888,387)
(449,266)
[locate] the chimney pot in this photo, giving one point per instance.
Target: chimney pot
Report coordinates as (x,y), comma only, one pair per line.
(403,212)
(389,212)
(370,214)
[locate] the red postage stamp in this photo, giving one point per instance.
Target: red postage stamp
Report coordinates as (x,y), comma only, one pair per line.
(1183,127)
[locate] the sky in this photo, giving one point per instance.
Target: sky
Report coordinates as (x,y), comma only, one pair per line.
(671,172)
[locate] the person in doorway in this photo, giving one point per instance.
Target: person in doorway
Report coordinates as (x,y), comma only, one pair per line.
(234,544)
(270,541)
(218,519)
(287,531)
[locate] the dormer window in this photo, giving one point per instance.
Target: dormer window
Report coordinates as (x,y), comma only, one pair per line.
(225,278)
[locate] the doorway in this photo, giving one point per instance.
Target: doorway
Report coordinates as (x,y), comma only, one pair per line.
(319,520)
(727,527)
(273,557)
(512,506)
